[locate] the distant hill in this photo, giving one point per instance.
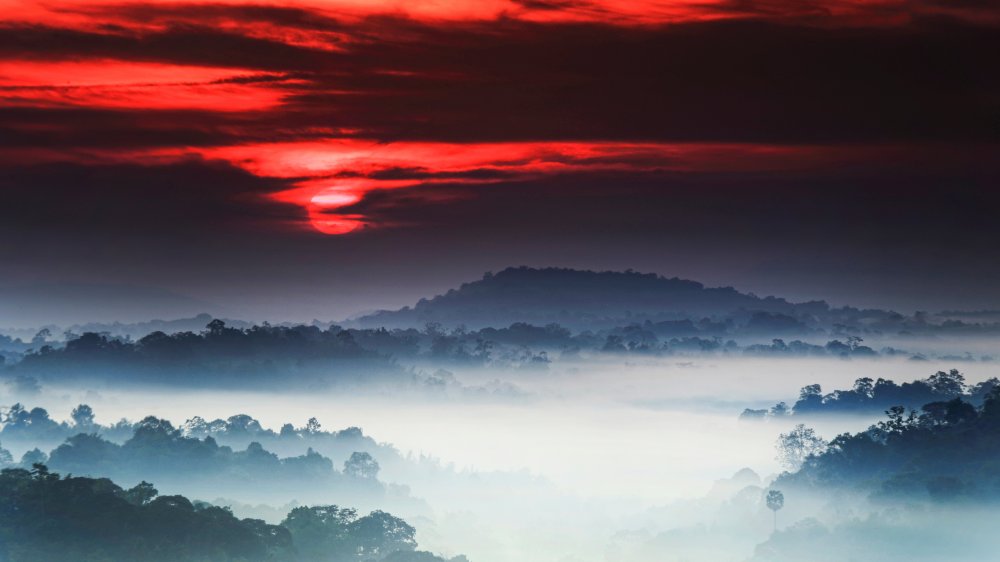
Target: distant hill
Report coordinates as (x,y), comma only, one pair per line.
(581,299)
(137,330)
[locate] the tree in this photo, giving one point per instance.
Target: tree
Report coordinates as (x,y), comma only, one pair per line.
(321,532)
(241,424)
(141,494)
(991,406)
(379,534)
(361,465)
(216,327)
(898,421)
(950,384)
(288,431)
(797,445)
(775,501)
(41,337)
(809,391)
(82,416)
(779,409)
(312,426)
(864,387)
(810,399)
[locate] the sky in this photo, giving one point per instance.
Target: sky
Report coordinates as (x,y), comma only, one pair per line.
(322,158)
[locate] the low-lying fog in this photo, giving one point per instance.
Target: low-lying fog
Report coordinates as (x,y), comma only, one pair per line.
(601,447)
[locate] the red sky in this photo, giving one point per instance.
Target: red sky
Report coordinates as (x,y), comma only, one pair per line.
(331,94)
(779,143)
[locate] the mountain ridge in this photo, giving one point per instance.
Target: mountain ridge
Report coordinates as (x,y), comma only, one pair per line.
(576,298)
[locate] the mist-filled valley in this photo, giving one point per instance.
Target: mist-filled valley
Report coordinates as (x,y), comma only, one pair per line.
(595,456)
(578,416)
(639,418)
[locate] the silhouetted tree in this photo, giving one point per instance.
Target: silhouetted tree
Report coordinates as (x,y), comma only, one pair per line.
(82,416)
(141,494)
(780,409)
(775,501)
(361,465)
(312,426)
(322,533)
(379,534)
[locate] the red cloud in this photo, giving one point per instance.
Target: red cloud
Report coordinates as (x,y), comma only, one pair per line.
(338,174)
(309,21)
(125,84)
(342,98)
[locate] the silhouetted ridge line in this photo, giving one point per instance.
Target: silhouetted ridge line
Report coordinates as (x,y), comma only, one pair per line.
(578,298)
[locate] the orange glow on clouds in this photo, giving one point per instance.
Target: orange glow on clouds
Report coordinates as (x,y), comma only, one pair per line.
(81,13)
(341,172)
(106,73)
(331,176)
(118,84)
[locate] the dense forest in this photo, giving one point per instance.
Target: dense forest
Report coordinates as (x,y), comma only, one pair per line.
(45,517)
(304,355)
(582,301)
(869,396)
(517,318)
(917,485)
(190,457)
(35,425)
(948,450)
(217,355)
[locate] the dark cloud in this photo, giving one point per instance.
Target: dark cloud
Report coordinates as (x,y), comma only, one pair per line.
(180,44)
(930,207)
(557,5)
(284,16)
(188,198)
(748,81)
(736,81)
(68,128)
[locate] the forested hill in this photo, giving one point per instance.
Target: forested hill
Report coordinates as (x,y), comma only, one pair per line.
(46,518)
(576,298)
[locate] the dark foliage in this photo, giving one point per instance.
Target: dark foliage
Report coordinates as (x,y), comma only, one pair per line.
(309,355)
(947,451)
(670,307)
(876,396)
(574,298)
(159,451)
(45,517)
(226,354)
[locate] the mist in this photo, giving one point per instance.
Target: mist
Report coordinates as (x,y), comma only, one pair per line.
(562,463)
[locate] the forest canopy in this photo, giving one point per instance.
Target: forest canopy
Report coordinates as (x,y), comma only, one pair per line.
(46,517)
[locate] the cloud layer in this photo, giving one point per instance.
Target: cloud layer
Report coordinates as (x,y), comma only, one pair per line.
(345,131)
(342,96)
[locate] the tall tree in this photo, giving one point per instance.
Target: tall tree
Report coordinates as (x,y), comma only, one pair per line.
(775,501)
(797,445)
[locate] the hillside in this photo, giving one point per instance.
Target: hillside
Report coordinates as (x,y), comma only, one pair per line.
(580,299)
